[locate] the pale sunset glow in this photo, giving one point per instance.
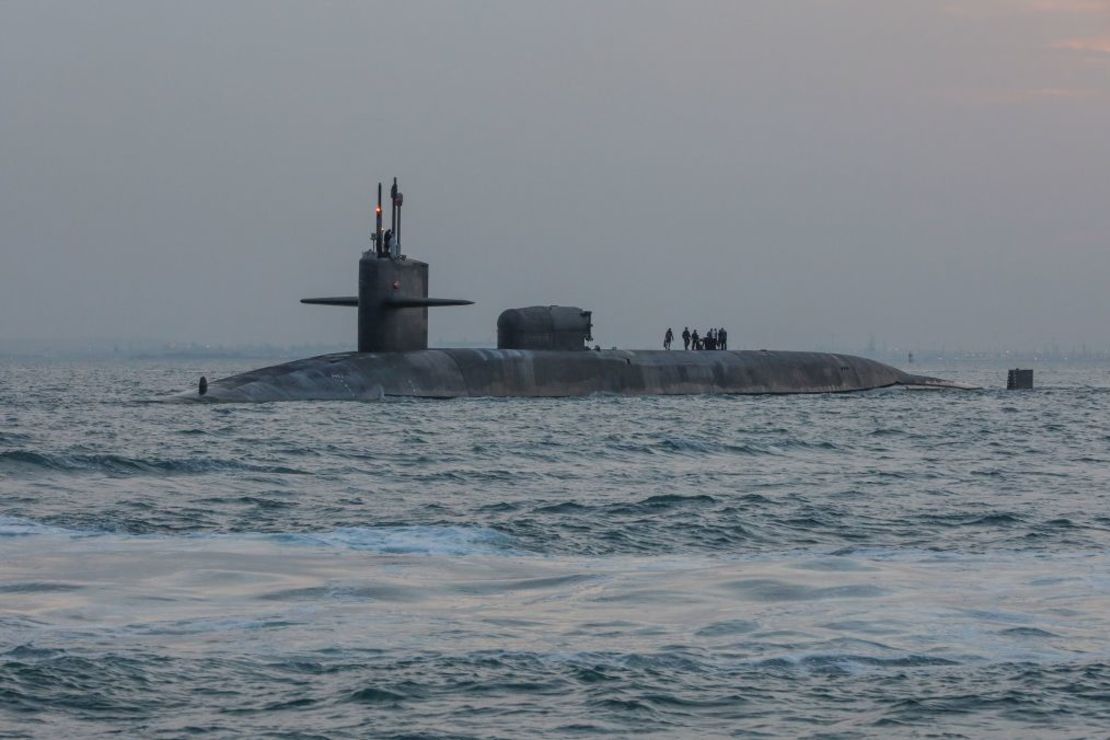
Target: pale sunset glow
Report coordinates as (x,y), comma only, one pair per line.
(1089,45)
(1071,6)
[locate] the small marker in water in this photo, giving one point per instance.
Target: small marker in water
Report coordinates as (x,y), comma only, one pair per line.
(1019,380)
(203,387)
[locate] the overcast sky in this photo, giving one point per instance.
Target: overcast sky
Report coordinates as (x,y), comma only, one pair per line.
(805,173)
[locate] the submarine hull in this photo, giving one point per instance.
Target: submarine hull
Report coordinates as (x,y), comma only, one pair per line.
(454,373)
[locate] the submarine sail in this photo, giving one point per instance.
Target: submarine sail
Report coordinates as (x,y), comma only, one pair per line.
(392,298)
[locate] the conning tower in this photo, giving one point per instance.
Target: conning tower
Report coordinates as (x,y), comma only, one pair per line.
(392,298)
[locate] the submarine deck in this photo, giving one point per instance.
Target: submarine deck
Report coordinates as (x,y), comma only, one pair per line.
(452,373)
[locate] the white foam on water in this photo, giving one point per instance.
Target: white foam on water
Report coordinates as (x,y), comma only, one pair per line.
(406,540)
(396,540)
(11,526)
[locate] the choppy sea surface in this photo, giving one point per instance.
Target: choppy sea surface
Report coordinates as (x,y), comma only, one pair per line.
(890,563)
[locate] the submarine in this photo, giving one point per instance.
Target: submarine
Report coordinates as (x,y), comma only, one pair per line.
(542,351)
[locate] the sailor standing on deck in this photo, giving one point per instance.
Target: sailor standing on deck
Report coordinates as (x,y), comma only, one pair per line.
(668,338)
(686,338)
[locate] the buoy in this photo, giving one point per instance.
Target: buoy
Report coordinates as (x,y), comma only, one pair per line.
(203,387)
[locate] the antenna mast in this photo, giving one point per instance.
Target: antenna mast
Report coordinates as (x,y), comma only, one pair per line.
(393,208)
(378,241)
(398,200)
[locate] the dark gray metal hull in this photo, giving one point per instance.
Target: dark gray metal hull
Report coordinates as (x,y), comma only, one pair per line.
(452,373)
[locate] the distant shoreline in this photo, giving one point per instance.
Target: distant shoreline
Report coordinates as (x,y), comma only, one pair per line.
(45,352)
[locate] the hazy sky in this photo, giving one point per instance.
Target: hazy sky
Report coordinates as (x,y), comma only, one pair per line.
(802,172)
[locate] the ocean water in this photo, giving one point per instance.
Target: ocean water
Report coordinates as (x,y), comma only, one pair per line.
(891,563)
